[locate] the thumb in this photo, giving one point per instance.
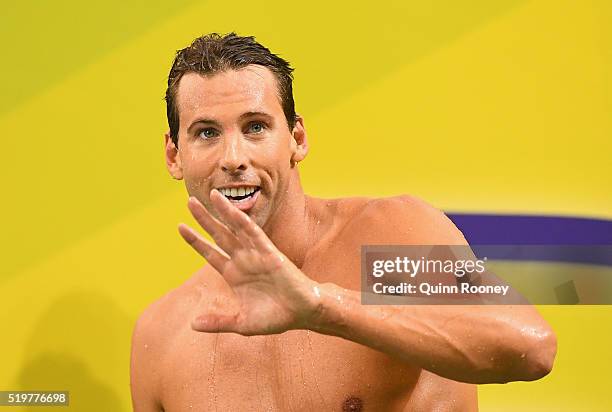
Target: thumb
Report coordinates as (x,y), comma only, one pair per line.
(215,323)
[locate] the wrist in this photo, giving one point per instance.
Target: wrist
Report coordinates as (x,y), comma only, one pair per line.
(328,314)
(311,313)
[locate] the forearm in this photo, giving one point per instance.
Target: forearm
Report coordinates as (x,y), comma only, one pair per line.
(476,344)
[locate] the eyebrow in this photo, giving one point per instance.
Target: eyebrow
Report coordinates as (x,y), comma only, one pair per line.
(203,120)
(215,123)
(251,114)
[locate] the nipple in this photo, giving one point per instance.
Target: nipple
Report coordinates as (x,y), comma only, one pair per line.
(352,404)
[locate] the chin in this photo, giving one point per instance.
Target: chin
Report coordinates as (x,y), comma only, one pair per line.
(258,219)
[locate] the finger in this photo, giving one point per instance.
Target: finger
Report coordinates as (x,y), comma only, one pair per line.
(214,255)
(216,229)
(214,323)
(249,233)
(233,217)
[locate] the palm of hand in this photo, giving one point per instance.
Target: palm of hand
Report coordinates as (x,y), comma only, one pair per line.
(269,293)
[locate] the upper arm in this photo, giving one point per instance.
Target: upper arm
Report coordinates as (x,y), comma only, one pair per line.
(142,370)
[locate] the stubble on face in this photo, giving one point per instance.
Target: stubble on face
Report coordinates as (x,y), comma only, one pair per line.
(226,98)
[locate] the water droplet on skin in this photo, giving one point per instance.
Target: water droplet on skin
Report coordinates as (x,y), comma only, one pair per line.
(532,331)
(339,299)
(212,387)
(146,346)
(301,360)
(385,315)
(314,368)
(522,356)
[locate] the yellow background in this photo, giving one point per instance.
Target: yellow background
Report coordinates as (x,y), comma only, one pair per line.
(475,106)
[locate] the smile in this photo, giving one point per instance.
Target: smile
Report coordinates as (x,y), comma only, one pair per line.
(243,197)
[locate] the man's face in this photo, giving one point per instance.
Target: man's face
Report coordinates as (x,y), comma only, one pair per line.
(233,136)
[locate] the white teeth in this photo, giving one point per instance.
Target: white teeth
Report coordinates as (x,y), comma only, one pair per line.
(238,191)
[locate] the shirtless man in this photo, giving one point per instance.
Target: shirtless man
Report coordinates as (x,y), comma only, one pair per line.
(274,321)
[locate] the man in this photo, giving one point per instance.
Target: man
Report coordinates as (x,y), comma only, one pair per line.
(274,321)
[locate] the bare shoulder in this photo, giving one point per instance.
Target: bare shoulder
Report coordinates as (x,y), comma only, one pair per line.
(154,333)
(156,320)
(159,323)
(399,219)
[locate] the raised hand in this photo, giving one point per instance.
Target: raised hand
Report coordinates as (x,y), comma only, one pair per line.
(270,294)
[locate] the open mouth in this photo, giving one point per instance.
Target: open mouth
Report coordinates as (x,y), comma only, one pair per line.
(240,194)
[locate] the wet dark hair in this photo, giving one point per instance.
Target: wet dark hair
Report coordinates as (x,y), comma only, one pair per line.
(214,53)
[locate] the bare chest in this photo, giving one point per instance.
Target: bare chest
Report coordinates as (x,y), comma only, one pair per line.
(295,371)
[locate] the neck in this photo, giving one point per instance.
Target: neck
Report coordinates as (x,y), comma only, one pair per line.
(292,228)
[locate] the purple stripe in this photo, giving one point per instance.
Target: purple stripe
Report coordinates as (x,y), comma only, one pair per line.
(532,230)
(563,239)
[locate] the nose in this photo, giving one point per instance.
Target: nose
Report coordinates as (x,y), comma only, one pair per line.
(233,159)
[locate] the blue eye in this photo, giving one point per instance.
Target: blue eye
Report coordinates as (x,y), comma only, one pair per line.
(208,133)
(256,128)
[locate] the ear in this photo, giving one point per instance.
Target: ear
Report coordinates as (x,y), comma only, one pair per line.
(299,143)
(173,158)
